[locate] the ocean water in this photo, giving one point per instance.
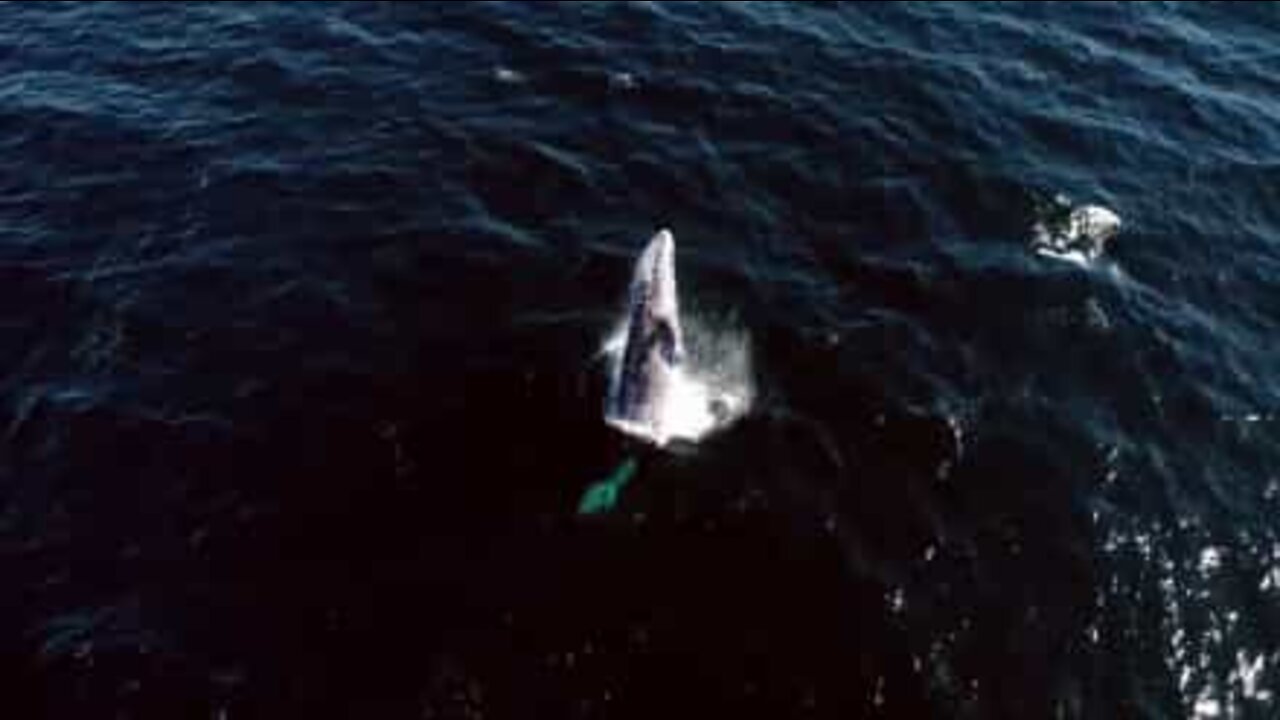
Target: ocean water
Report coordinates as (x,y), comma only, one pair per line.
(300,316)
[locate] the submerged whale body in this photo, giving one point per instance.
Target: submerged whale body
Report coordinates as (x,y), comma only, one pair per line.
(644,378)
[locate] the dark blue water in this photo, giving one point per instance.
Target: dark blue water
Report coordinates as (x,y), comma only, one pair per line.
(298,308)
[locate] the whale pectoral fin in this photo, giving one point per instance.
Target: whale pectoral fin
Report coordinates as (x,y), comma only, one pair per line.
(598,498)
(603,496)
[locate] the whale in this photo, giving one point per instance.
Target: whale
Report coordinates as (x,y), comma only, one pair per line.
(645,377)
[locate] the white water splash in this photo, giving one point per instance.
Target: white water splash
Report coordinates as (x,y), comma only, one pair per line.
(712,388)
(1074,234)
(508,76)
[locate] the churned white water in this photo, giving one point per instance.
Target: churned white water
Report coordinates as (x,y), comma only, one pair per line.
(711,389)
(1074,234)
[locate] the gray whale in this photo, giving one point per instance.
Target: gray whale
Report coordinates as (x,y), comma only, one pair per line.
(653,349)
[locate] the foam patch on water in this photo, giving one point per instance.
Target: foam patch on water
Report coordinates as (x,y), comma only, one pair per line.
(711,390)
(1077,234)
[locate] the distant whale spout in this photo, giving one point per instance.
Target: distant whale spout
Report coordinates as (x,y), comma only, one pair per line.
(644,380)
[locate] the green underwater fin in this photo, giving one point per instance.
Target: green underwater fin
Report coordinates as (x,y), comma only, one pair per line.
(602,496)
